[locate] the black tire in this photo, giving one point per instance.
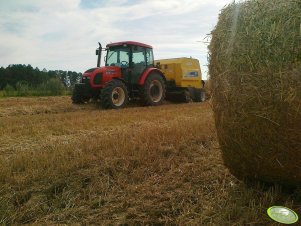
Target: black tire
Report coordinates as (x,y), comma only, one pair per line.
(77,95)
(114,95)
(187,96)
(153,91)
(199,95)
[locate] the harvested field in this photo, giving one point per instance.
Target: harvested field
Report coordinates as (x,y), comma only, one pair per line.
(66,164)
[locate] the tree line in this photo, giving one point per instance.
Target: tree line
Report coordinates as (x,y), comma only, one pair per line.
(24,80)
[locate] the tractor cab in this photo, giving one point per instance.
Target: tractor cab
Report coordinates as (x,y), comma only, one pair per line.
(126,53)
(133,58)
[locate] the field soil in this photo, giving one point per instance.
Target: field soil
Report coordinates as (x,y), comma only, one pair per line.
(82,165)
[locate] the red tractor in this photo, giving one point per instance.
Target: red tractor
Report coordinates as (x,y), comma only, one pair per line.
(129,73)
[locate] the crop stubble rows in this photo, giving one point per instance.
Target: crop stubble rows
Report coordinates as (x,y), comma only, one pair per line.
(62,163)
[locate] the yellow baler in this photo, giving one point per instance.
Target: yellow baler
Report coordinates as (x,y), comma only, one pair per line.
(183,79)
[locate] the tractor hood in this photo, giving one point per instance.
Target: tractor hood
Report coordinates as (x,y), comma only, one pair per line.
(98,77)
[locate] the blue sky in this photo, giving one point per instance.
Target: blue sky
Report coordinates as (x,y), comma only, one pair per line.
(63,34)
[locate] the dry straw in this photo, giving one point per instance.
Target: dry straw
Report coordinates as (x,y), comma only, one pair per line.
(255,67)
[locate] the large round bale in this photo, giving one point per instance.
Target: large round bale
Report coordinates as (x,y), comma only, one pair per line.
(255,67)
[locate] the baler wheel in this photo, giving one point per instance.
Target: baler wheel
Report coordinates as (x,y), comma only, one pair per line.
(187,97)
(153,91)
(199,95)
(114,95)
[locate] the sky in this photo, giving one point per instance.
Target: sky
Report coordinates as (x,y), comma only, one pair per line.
(63,34)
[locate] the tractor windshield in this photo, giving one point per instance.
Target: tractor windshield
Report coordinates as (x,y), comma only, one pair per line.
(118,56)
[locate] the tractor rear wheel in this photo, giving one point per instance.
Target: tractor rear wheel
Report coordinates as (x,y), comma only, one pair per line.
(114,95)
(153,91)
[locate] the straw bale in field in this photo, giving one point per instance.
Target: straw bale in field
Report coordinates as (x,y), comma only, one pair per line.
(255,68)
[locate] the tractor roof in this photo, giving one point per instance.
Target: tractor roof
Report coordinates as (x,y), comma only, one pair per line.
(129,43)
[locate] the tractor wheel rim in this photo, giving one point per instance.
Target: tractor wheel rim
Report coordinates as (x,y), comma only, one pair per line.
(156,91)
(187,96)
(118,96)
(203,97)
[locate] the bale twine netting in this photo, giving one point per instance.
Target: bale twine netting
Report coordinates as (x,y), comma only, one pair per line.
(255,67)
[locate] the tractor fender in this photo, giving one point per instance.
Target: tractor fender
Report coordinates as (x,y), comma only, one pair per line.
(116,78)
(120,79)
(149,71)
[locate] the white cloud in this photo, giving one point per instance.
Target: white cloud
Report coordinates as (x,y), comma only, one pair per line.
(63,35)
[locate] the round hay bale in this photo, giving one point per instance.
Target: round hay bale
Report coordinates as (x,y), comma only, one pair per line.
(255,68)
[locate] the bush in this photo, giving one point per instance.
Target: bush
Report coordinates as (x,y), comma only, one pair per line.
(22,89)
(52,87)
(55,87)
(9,91)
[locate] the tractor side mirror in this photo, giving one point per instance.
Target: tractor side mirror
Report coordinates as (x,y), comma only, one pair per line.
(97,52)
(158,65)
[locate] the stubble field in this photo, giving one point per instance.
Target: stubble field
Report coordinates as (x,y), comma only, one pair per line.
(67,164)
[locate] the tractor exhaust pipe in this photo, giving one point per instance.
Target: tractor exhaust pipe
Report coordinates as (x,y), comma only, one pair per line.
(98,52)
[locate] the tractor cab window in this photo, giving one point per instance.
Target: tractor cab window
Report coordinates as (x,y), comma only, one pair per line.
(138,59)
(149,57)
(118,56)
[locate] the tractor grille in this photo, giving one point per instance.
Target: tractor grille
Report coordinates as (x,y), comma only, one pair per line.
(97,78)
(86,80)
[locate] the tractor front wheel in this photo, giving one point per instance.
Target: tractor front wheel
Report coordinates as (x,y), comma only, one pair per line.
(114,95)
(153,91)
(78,96)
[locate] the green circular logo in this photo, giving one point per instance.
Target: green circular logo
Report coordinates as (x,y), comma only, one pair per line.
(282,214)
